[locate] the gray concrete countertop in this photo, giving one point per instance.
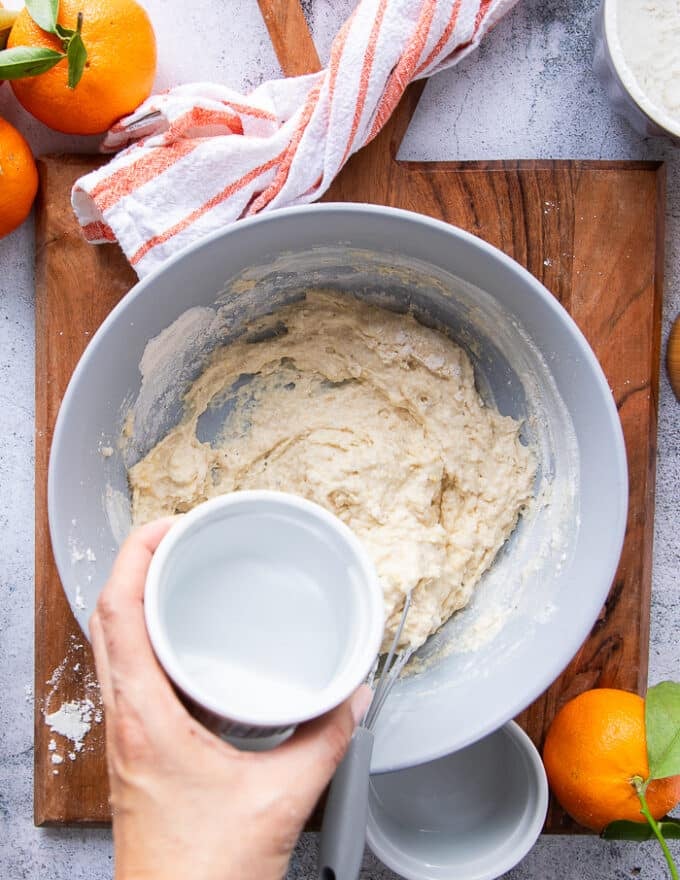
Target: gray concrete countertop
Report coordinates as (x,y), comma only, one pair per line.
(527,93)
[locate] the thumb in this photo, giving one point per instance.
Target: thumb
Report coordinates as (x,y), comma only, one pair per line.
(311,756)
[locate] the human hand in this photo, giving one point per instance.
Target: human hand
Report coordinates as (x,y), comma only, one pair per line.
(186,804)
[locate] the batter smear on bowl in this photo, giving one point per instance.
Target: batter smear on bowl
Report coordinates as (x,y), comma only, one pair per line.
(371,415)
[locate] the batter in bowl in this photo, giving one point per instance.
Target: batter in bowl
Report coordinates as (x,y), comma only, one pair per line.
(371,415)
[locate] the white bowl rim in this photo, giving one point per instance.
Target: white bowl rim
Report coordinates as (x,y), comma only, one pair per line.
(381,844)
(357,665)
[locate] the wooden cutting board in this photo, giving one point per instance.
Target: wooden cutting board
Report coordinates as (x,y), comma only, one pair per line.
(592,232)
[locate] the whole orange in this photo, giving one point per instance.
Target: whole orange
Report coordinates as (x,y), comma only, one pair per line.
(118,75)
(595,746)
(18,178)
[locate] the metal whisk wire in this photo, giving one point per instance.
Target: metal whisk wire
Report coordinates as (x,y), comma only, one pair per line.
(392,669)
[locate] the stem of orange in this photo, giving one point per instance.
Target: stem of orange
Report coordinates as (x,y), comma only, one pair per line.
(641,788)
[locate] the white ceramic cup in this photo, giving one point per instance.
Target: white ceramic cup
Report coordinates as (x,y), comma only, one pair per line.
(264,610)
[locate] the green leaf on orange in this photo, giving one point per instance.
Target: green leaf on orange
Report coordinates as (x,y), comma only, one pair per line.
(622,829)
(77,58)
(44,13)
(662,727)
(27,61)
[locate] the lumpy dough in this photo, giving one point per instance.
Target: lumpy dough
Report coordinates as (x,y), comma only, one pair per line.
(371,415)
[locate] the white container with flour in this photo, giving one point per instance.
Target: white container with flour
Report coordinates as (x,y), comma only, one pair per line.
(264,610)
(637,58)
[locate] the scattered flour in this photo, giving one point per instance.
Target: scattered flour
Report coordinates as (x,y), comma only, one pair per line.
(79,553)
(57,673)
(72,720)
(117,506)
(79,601)
(28,692)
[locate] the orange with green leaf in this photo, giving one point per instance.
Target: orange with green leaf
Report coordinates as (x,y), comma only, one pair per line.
(80,65)
(613,762)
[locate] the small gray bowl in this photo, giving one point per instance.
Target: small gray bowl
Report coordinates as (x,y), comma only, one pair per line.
(472,815)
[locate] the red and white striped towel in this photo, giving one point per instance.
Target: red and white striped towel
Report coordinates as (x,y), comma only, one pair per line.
(201,156)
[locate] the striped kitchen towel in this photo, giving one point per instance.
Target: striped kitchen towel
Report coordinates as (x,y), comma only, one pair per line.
(200,156)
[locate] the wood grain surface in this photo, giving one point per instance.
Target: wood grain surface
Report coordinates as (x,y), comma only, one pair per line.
(592,232)
(76,286)
(290,36)
(673,357)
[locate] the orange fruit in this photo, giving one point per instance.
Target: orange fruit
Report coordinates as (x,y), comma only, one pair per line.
(18,178)
(118,75)
(595,746)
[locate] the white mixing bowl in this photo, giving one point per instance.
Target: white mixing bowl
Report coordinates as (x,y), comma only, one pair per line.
(539,600)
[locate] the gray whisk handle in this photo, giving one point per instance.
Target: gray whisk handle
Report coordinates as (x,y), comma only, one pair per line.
(343,831)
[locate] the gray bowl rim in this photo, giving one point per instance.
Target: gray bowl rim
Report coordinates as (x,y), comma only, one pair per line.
(375,834)
(586,613)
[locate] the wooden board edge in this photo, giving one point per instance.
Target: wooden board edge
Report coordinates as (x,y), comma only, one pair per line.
(655,374)
(41,533)
(292,41)
(84,823)
(474,166)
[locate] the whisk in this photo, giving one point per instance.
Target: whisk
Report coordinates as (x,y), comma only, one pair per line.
(343,831)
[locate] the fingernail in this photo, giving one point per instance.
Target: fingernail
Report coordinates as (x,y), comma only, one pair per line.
(360,702)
